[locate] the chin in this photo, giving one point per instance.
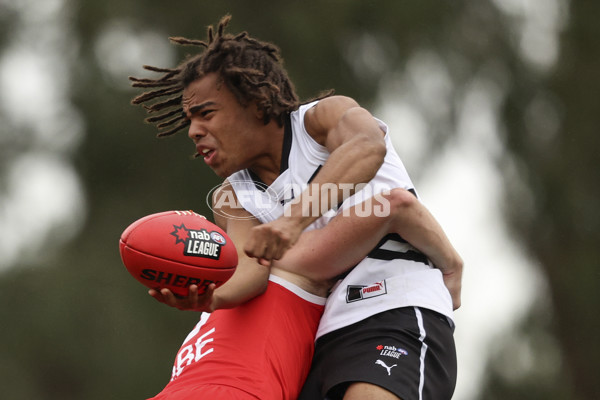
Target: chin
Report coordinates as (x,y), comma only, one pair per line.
(224,171)
(221,172)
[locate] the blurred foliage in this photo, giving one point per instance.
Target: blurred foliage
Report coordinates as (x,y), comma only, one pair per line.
(80,328)
(526,363)
(564,173)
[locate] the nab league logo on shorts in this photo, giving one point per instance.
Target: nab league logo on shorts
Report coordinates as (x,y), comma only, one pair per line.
(199,243)
(361,292)
(391,351)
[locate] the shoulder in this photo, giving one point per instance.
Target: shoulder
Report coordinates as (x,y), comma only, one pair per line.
(337,119)
(327,110)
(326,114)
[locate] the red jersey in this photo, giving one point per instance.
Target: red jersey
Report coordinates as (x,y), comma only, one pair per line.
(261,349)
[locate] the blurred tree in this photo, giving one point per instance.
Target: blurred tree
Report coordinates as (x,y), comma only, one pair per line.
(80,328)
(526,363)
(562,169)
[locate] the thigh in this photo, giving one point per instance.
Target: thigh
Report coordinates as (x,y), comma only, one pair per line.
(368,391)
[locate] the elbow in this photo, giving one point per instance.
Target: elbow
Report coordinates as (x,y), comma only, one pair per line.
(401,200)
(457,264)
(263,288)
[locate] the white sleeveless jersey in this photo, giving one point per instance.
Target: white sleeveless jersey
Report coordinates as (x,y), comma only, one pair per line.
(393,275)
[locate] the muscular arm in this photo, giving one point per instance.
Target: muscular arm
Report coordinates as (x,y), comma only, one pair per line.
(321,254)
(356,145)
(357,150)
(324,253)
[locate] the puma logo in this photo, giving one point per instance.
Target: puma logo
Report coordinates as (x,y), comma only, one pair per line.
(389,369)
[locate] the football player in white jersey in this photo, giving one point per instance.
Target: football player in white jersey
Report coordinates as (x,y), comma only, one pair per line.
(239,106)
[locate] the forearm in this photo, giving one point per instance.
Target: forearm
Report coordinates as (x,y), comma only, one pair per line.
(331,250)
(250,279)
(413,221)
(354,162)
(415,224)
(324,253)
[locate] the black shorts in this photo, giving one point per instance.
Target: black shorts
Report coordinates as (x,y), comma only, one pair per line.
(409,351)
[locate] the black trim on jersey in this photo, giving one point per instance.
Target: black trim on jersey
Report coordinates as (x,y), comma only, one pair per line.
(258,183)
(284,201)
(287,143)
(387,255)
(313,177)
(390,236)
(381,254)
(314,174)
(285,154)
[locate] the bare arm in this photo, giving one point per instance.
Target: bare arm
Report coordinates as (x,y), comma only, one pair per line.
(250,278)
(357,150)
(322,254)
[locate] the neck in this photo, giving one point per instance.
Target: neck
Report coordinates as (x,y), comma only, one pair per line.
(267,166)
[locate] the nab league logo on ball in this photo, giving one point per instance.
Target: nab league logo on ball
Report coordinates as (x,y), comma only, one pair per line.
(199,243)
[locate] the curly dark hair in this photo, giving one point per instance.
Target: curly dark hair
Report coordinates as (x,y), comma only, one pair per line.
(251,69)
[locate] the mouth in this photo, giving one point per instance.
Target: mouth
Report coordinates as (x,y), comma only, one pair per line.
(206,153)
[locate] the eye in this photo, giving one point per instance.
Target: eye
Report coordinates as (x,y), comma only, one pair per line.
(201,111)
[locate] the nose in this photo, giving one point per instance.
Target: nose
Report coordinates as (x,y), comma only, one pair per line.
(196,130)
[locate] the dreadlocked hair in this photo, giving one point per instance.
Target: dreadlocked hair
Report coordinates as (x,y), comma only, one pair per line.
(252,70)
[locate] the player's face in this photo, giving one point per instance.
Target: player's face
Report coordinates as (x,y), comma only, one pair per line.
(224,132)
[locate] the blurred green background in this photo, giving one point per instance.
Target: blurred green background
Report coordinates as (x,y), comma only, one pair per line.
(494,106)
